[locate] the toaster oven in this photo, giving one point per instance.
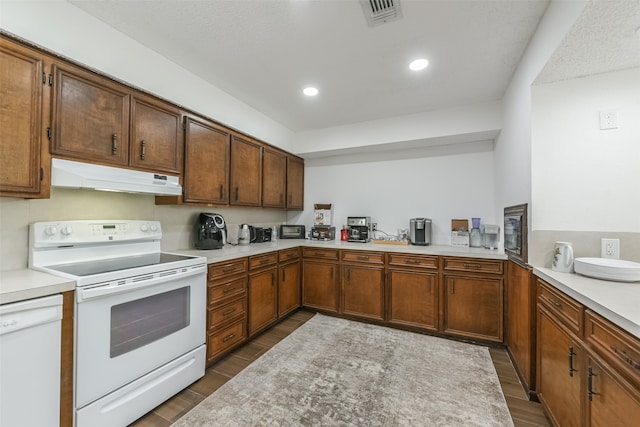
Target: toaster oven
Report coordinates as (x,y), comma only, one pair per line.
(292,232)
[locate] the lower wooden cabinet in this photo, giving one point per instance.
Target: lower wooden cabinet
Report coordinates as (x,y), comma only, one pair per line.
(362,292)
(263,292)
(413,299)
(226,338)
(320,285)
(473,307)
(288,288)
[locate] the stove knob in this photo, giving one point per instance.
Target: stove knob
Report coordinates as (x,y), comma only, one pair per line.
(67,230)
(51,230)
(154,228)
(144,228)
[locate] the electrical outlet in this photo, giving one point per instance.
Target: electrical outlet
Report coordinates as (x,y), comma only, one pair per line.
(610,248)
(608,120)
(374,226)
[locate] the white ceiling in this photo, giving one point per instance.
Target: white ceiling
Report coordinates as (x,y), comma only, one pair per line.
(263,52)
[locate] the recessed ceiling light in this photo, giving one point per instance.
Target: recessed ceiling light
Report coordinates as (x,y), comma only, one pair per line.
(418,64)
(310,91)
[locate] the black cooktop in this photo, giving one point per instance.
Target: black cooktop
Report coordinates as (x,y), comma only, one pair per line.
(89,268)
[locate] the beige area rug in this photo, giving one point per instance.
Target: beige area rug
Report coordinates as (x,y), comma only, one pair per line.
(336,372)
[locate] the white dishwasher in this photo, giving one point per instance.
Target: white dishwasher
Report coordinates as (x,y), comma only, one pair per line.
(30,362)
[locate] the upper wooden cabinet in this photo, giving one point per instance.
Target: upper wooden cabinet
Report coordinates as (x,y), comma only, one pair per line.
(206,170)
(295,183)
(99,120)
(274,178)
(24,159)
(246,172)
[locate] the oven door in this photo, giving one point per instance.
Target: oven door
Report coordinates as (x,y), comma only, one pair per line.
(124,331)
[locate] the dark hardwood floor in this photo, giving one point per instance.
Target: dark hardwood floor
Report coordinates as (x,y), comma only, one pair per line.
(524,412)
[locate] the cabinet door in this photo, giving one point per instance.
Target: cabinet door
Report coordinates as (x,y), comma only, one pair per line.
(320,285)
(295,183)
(612,401)
(206,173)
(363,292)
(246,173)
(21,80)
(413,299)
(289,288)
(473,307)
(274,170)
(90,117)
(156,136)
(263,300)
(560,362)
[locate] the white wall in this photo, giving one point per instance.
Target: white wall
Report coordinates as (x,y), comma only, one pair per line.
(513,178)
(63,28)
(584,178)
(391,192)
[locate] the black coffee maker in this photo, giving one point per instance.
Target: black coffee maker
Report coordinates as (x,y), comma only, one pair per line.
(210,231)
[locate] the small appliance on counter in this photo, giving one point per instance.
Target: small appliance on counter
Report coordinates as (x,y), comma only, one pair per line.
(420,231)
(292,232)
(323,233)
(246,234)
(262,235)
(490,236)
(475,237)
(359,229)
(210,231)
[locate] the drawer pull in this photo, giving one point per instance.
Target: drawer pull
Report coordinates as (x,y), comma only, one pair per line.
(412,261)
(555,303)
(476,266)
(228,312)
(590,384)
(623,355)
(363,257)
(571,354)
(226,291)
(228,269)
(227,338)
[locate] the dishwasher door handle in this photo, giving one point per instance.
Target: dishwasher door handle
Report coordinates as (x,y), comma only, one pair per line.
(27,314)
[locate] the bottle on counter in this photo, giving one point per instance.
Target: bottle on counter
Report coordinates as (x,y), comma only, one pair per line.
(274,233)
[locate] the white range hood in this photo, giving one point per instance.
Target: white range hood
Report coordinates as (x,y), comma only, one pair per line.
(66,173)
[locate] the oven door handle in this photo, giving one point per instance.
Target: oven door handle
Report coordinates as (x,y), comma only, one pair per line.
(112,289)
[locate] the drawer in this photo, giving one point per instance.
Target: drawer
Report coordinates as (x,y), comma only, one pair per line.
(320,253)
(219,315)
(473,265)
(288,255)
(409,260)
(231,289)
(263,260)
(221,341)
(363,257)
(228,268)
(569,311)
(613,344)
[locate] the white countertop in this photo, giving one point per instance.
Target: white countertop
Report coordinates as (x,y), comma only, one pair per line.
(23,284)
(617,301)
(229,252)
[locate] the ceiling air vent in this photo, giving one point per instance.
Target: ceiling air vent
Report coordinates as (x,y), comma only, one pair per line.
(378,12)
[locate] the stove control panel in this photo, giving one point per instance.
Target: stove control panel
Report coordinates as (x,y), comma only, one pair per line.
(60,233)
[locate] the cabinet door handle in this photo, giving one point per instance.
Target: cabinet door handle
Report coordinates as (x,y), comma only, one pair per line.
(571,354)
(281,197)
(273,279)
(590,384)
(284,275)
(221,192)
(236,194)
(114,144)
(290,198)
(142,150)
(348,275)
(228,312)
(228,337)
(625,358)
(331,273)
(451,288)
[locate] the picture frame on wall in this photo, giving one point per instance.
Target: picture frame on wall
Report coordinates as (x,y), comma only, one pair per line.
(515,233)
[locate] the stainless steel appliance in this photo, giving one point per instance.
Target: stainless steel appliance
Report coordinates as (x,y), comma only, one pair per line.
(210,231)
(140,314)
(359,229)
(246,234)
(323,233)
(292,232)
(262,235)
(420,231)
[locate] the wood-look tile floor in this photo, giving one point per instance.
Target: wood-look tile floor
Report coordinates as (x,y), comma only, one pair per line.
(524,412)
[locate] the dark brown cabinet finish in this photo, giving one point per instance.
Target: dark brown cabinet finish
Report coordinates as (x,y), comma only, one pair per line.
(226,307)
(274,178)
(90,117)
(263,292)
(246,172)
(24,159)
(320,279)
(156,136)
(206,171)
(520,322)
(289,281)
(413,298)
(295,183)
(362,284)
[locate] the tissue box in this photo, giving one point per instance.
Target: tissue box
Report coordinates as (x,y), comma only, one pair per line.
(323,214)
(460,238)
